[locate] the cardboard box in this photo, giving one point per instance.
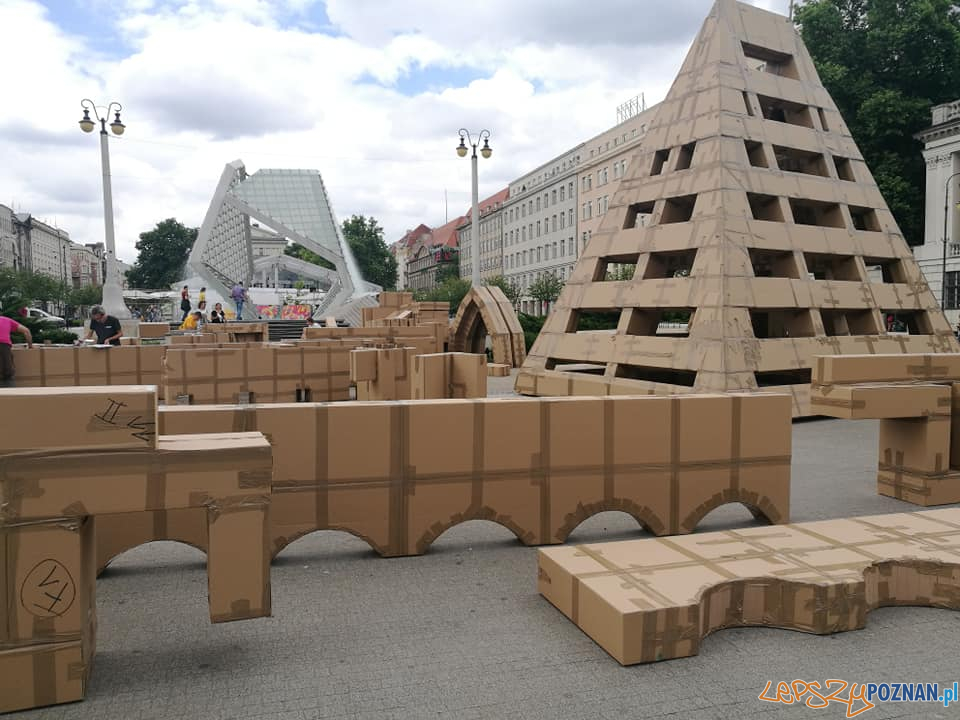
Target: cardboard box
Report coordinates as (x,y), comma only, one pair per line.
(856,402)
(154,329)
(81,418)
(652,599)
(498,370)
(845,369)
(506,459)
(925,489)
(915,445)
(449,375)
(193,339)
(382,373)
(49,572)
(40,675)
(399,335)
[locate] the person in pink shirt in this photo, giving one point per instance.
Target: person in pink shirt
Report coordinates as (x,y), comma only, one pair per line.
(7,327)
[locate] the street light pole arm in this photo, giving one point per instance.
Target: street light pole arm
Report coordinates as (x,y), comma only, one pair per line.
(90,105)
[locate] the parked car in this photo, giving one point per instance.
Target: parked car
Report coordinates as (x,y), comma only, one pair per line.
(44,316)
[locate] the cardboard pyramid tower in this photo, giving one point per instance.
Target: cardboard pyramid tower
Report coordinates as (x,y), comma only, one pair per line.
(750,214)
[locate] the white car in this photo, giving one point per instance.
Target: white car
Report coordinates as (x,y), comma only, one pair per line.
(44,316)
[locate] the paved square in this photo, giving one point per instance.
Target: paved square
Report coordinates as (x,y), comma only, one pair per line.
(462,633)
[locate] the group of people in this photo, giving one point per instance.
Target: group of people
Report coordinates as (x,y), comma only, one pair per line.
(194,319)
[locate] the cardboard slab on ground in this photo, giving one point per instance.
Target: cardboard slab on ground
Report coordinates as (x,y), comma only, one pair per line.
(657,598)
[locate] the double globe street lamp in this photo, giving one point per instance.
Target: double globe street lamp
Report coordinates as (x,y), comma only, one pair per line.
(113,302)
(465,139)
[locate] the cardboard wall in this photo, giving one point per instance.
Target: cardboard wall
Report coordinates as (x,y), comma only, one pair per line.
(268,373)
(449,375)
(537,466)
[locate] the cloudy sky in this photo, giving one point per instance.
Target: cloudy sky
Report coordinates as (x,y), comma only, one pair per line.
(369,92)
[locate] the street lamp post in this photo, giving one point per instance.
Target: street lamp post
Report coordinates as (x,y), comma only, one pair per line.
(113,302)
(943,267)
(486,151)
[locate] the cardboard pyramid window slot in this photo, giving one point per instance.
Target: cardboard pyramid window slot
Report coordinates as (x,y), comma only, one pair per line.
(844,168)
(749,206)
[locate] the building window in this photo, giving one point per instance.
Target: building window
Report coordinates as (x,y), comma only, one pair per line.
(570,217)
(952,291)
(538,203)
(553,197)
(562,221)
(570,190)
(539,254)
(562,193)
(538,228)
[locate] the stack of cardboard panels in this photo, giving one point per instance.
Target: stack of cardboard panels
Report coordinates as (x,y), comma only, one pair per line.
(266,373)
(539,467)
(432,312)
(916,398)
(653,599)
(154,330)
(400,335)
(382,373)
(88,366)
(77,453)
(240,332)
(449,375)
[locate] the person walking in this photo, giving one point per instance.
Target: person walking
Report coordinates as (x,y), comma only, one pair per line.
(7,327)
(185,302)
(202,297)
(239,295)
(106,327)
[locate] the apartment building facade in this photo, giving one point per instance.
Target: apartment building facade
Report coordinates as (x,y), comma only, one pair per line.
(606,159)
(539,226)
(491,238)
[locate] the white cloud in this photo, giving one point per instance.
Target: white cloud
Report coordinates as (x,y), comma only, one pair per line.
(204,82)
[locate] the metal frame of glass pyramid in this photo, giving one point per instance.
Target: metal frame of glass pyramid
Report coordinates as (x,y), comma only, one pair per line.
(750,213)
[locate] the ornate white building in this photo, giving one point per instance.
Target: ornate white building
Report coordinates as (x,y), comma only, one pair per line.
(941,152)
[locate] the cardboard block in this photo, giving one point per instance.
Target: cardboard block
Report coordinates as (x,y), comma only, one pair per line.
(916,445)
(78,418)
(498,370)
(856,402)
(656,599)
(154,329)
(449,375)
(39,675)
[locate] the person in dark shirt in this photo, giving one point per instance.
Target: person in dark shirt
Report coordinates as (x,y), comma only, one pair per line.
(106,327)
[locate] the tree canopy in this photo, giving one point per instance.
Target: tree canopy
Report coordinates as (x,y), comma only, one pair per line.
(510,290)
(886,63)
(377,263)
(546,288)
(162,255)
(301,253)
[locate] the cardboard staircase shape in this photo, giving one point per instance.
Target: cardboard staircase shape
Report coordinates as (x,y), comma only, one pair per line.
(486,311)
(656,599)
(750,212)
(539,467)
(916,398)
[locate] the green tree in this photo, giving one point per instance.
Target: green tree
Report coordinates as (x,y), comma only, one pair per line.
(452,290)
(511,291)
(621,272)
(377,263)
(447,271)
(162,255)
(546,288)
(301,253)
(21,289)
(885,63)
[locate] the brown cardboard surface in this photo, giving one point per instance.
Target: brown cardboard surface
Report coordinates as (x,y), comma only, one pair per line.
(917,367)
(438,334)
(271,373)
(154,329)
(382,373)
(48,569)
(86,417)
(449,375)
(656,599)
(538,467)
(119,532)
(916,445)
(41,675)
(498,370)
(925,489)
(856,402)
(486,311)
